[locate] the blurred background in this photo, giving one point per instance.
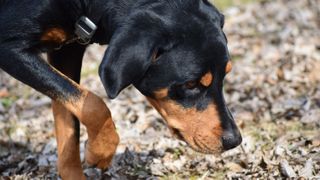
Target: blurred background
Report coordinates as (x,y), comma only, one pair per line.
(224,4)
(273,92)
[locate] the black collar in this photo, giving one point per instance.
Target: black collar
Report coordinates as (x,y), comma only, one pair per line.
(85,30)
(87,19)
(91,11)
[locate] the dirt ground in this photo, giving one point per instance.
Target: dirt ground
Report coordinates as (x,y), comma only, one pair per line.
(273,92)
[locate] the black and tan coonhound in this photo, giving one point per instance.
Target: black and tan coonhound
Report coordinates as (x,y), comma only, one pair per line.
(173,51)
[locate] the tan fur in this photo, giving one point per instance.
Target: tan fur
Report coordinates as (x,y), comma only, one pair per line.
(200,129)
(69,163)
(229,67)
(102,136)
(93,113)
(207,79)
(55,35)
(162,93)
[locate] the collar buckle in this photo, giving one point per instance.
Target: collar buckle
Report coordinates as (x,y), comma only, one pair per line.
(84,29)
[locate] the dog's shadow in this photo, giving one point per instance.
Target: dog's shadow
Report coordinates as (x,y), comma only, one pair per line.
(127,165)
(18,159)
(13,155)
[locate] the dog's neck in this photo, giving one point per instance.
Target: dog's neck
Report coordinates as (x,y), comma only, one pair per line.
(106,14)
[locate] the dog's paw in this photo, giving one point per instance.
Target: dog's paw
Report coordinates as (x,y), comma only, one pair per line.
(98,160)
(100,149)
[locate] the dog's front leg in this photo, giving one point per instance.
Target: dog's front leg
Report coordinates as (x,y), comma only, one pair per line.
(102,136)
(66,124)
(27,66)
(69,163)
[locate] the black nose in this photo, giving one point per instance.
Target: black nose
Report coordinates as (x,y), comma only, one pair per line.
(231,139)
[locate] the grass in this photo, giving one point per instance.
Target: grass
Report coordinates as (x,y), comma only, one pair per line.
(223,4)
(88,71)
(7,102)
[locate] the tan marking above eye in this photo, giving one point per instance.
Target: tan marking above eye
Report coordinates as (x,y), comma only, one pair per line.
(161,93)
(207,79)
(228,67)
(56,35)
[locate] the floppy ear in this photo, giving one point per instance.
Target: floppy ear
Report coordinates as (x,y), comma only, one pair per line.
(126,60)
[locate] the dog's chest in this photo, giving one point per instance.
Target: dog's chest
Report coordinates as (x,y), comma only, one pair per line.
(54,39)
(54,35)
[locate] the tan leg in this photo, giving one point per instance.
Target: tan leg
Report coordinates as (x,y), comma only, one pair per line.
(90,110)
(60,83)
(69,163)
(102,136)
(68,61)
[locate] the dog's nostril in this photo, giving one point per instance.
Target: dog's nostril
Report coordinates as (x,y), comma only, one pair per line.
(231,140)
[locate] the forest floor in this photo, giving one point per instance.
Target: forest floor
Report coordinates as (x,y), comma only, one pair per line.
(273,92)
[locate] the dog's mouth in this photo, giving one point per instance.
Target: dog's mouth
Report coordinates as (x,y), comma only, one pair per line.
(177,134)
(198,144)
(200,130)
(205,148)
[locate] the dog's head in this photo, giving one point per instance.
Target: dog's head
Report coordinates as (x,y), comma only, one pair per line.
(176,54)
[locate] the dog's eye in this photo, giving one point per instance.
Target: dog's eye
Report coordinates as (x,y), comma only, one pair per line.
(190,89)
(157,54)
(191,84)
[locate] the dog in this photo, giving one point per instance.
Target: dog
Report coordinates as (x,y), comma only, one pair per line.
(174,52)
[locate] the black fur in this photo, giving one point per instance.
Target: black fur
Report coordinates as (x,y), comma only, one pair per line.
(187,34)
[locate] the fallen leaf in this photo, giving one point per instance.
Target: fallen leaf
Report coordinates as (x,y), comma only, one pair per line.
(4,93)
(286,170)
(306,172)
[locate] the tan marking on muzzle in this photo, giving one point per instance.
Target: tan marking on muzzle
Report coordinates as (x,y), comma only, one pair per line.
(200,129)
(56,35)
(207,79)
(228,67)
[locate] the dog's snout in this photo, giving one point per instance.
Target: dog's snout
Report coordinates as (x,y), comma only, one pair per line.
(231,139)
(231,136)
